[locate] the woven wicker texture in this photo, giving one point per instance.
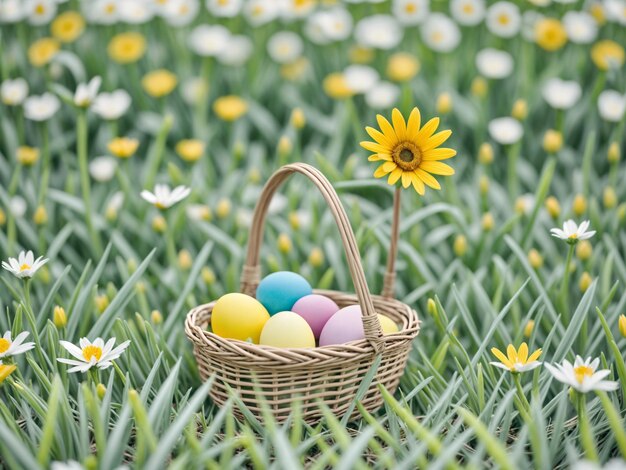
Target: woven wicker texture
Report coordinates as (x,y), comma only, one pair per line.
(277,377)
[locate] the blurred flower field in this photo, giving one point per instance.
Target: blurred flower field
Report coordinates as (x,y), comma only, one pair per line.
(135,138)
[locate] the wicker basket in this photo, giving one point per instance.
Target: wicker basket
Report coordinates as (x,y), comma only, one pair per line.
(275,378)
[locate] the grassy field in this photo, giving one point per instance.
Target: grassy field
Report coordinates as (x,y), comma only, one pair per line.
(107,99)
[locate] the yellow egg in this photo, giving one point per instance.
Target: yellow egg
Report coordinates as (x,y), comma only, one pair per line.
(387,324)
(238,316)
(287,330)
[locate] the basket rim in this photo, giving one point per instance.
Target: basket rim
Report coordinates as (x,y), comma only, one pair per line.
(356,346)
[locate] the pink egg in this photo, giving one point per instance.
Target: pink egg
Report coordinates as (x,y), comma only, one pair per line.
(316,310)
(344,326)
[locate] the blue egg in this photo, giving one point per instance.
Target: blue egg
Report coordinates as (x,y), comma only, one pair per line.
(279,291)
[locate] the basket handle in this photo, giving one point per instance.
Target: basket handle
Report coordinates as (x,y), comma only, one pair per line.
(251,273)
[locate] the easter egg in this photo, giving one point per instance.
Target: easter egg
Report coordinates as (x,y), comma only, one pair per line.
(316,310)
(238,316)
(387,324)
(287,330)
(279,291)
(344,326)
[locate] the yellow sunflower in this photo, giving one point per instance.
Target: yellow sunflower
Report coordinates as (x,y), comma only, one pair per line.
(409,151)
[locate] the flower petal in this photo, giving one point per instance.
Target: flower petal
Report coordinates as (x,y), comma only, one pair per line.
(437,168)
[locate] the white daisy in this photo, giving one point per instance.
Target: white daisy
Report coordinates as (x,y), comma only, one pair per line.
(239,50)
(561,94)
(40,11)
(505,130)
(111,106)
(581,27)
(209,40)
(326,26)
(18,206)
(181,12)
(411,12)
(41,108)
(573,232)
(440,33)
(611,105)
(260,12)
(503,19)
(135,11)
(102,11)
(224,8)
(467,12)
(14,92)
(284,47)
(383,96)
(12,11)
(294,9)
(15,347)
(96,354)
(102,169)
(583,375)
(492,63)
(25,266)
(360,78)
(615,11)
(379,32)
(86,93)
(163,197)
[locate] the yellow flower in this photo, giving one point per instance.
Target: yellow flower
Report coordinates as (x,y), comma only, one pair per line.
(609,197)
(460,245)
(622,325)
(336,87)
(101,390)
(284,243)
(284,146)
(483,184)
(613,154)
(585,282)
(190,150)
(552,141)
(584,250)
(298,120)
(59,318)
(295,70)
(553,207)
(230,107)
(444,103)
(550,34)
(123,147)
(184,259)
(40,216)
(597,11)
(27,156)
(579,205)
(6,370)
(361,55)
(222,210)
(68,26)
(520,109)
(159,83)
(528,329)
(409,151)
(535,259)
(156,317)
(208,276)
(516,360)
(402,67)
(606,54)
(126,48)
(316,257)
(42,51)
(488,222)
(3,217)
(102,302)
(485,153)
(479,87)
(159,224)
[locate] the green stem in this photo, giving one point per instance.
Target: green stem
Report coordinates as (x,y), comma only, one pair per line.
(520,393)
(584,426)
(512,176)
(170,244)
(45,173)
(565,284)
(81,151)
(157,152)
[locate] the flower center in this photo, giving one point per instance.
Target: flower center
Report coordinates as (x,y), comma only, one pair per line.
(92,351)
(160,205)
(5,344)
(581,372)
(24,267)
(407,156)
